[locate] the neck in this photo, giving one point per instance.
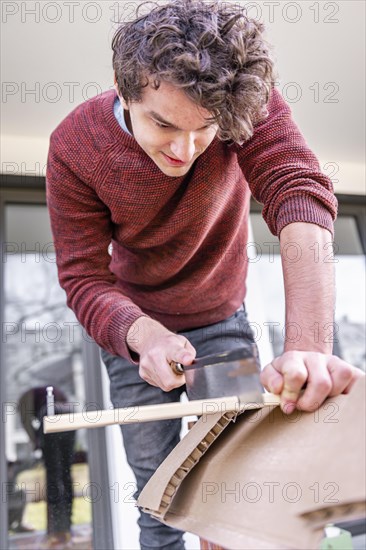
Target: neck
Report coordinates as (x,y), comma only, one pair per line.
(127,118)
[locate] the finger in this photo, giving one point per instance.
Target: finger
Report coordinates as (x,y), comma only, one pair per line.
(319,382)
(169,382)
(356,375)
(184,354)
(295,374)
(188,346)
(341,373)
(271,379)
(157,372)
(168,378)
(146,375)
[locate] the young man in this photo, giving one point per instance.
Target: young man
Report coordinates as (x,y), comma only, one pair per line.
(163,169)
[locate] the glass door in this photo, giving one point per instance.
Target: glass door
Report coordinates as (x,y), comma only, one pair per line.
(48,490)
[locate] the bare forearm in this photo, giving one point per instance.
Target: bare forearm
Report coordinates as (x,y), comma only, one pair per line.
(308,269)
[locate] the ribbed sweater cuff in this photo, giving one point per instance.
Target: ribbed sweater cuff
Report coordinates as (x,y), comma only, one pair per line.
(306,209)
(116,329)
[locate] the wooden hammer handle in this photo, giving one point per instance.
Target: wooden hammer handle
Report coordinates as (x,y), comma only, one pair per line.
(148,413)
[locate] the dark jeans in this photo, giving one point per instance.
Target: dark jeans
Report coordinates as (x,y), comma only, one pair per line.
(148,444)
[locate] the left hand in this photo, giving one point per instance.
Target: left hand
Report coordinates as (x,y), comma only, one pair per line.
(324,375)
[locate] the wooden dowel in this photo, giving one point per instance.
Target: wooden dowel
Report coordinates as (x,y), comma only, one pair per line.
(149,413)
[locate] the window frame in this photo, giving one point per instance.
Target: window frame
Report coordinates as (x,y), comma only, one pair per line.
(32,190)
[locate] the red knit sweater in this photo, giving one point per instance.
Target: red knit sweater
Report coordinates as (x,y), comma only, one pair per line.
(179,244)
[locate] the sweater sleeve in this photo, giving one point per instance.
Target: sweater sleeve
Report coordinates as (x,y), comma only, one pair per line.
(283,173)
(82,230)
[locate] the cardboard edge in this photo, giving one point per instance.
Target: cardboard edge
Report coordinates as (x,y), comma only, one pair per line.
(158,493)
(225,536)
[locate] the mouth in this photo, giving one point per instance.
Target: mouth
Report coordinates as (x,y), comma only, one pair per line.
(172,161)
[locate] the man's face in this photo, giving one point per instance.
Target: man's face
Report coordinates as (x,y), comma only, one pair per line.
(171,129)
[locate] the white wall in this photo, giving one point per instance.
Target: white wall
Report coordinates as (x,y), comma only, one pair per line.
(56,54)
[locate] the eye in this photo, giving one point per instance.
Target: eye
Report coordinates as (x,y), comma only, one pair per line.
(160,124)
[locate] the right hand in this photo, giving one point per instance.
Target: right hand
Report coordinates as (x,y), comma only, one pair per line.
(157,347)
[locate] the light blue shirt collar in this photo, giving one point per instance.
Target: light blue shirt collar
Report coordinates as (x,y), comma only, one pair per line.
(119,114)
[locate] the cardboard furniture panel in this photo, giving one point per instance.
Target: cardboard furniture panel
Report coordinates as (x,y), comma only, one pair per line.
(266,480)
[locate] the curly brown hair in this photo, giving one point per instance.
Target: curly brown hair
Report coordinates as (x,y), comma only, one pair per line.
(212,51)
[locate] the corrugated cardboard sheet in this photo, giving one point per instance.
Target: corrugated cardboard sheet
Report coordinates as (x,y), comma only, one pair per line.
(263,479)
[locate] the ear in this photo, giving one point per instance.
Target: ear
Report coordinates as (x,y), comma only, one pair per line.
(122,100)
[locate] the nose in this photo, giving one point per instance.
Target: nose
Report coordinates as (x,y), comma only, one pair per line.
(183,146)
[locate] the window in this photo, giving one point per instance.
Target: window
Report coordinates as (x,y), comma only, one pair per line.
(43,344)
(266,303)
